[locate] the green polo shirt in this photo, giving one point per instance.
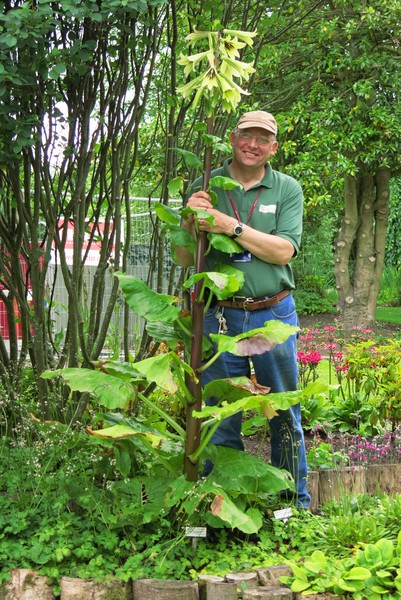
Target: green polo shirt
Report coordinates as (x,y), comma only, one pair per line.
(278,211)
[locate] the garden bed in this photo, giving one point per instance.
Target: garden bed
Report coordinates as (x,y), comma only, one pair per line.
(319,321)
(327,446)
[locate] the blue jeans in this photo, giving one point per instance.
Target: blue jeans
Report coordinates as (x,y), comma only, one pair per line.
(276,369)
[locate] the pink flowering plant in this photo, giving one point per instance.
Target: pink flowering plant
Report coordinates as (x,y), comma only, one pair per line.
(370,378)
(383,449)
(367,399)
(315,406)
(307,365)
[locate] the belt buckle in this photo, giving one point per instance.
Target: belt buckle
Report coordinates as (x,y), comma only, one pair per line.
(244,304)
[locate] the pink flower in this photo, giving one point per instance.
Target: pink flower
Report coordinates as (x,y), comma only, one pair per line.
(311,358)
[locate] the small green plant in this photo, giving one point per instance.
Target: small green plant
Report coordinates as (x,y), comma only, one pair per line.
(373,573)
(370,388)
(323,456)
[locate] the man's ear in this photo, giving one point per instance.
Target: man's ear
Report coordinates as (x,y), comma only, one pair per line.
(274,147)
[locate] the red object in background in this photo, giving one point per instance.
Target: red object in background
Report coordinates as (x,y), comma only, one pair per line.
(4,329)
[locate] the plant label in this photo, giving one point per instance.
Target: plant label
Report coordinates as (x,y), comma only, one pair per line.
(283,514)
(195,532)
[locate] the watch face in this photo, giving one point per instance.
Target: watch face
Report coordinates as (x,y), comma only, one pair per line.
(238,229)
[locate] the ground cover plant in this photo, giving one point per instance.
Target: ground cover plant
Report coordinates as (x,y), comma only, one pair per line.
(88,506)
(67,510)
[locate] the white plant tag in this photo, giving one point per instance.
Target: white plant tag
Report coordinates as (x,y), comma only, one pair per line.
(283,514)
(195,532)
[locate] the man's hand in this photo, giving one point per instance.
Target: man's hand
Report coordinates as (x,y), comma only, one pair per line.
(222,223)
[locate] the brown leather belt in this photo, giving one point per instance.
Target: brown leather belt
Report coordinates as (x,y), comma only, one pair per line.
(253,303)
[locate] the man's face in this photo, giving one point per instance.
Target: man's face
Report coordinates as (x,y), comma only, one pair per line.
(253,147)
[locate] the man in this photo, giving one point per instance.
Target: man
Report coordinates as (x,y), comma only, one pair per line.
(264,216)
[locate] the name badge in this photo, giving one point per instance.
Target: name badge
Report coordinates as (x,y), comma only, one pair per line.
(244,256)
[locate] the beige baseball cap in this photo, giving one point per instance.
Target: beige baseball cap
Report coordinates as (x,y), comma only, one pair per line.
(258,118)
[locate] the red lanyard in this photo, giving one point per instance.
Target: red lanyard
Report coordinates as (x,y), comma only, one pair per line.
(252,207)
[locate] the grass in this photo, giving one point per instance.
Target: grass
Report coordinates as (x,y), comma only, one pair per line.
(323,370)
(389,314)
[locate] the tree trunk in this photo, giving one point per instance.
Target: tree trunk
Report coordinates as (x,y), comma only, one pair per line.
(221,590)
(268,593)
(26,584)
(360,246)
(203,581)
(78,589)
(244,580)
(149,589)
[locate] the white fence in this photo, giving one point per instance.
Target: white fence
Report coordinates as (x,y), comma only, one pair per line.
(138,265)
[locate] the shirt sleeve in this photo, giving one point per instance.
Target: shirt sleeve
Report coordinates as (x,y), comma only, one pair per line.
(290,213)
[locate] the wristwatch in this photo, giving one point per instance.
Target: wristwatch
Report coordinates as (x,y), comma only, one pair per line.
(238,230)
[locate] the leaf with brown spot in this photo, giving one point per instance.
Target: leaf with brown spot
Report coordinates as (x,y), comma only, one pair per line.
(216,506)
(256,341)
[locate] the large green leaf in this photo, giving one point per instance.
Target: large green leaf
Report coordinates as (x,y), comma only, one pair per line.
(175,186)
(190,158)
(188,496)
(111,392)
(224,508)
(199,213)
(212,141)
(145,302)
(233,389)
(370,557)
(167,214)
(387,550)
(151,426)
(360,573)
(123,370)
(256,341)
(218,413)
(179,237)
(166,332)
(299,586)
(239,472)
(242,394)
(222,285)
(225,183)
(224,243)
(123,431)
(159,369)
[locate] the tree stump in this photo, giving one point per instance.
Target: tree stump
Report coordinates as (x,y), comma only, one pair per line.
(337,483)
(269,592)
(80,589)
(202,583)
(327,596)
(383,478)
(243,581)
(221,590)
(313,489)
(154,589)
(271,575)
(26,584)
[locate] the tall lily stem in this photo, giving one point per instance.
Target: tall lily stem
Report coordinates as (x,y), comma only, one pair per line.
(193,425)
